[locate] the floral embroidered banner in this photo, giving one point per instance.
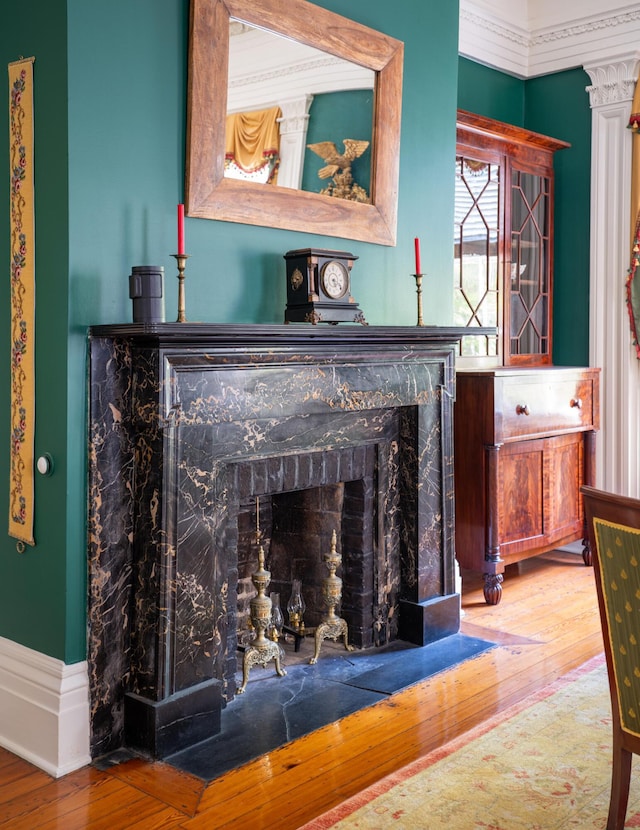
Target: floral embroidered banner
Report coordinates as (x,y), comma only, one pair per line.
(22,220)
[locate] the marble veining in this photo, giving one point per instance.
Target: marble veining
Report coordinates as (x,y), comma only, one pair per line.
(183,432)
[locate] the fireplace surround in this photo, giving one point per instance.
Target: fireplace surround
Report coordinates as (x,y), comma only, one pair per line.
(328,428)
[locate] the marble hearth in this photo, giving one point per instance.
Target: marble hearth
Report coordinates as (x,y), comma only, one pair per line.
(190,424)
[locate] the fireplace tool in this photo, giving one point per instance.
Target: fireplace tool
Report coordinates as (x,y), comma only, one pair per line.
(262,650)
(331,626)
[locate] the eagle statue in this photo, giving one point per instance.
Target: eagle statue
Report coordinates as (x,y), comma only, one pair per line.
(335,161)
(338,167)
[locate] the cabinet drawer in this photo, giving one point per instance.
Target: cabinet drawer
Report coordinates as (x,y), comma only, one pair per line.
(541,406)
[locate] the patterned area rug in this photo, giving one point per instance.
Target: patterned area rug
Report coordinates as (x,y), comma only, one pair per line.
(544,764)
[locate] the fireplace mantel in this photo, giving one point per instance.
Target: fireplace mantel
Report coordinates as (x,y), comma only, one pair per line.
(186,420)
(285,337)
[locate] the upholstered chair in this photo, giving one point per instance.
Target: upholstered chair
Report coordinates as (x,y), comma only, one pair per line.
(613,525)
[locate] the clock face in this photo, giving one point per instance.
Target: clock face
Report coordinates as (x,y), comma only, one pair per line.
(335,279)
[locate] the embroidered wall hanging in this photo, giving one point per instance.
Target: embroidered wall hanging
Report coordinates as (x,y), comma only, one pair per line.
(22,220)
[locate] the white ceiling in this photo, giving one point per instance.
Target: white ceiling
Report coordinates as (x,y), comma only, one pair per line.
(534,37)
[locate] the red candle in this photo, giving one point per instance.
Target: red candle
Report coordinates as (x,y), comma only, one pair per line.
(416,243)
(181,229)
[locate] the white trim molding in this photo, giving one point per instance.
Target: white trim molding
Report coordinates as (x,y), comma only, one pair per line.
(549,37)
(584,40)
(492,40)
(610,95)
(44,709)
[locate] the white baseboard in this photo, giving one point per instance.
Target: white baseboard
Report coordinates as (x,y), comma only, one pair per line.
(44,709)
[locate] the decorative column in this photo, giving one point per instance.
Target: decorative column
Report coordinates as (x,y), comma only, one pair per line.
(618,452)
(293,135)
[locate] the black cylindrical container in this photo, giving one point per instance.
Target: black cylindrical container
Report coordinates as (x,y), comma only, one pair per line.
(146,289)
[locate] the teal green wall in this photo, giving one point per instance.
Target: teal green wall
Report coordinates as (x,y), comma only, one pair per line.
(488,92)
(110,128)
(335,116)
(42,590)
(556,105)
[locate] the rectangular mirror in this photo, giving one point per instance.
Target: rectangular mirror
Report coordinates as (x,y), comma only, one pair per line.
(221,81)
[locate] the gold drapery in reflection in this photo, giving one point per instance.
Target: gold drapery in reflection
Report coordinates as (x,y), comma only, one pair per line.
(252,142)
(633,289)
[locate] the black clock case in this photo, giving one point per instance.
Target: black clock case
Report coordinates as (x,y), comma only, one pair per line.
(308,303)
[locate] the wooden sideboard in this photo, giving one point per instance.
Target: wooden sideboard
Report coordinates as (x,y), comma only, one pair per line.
(524,445)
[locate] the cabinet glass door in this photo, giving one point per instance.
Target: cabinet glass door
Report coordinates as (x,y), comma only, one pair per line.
(476,252)
(529,260)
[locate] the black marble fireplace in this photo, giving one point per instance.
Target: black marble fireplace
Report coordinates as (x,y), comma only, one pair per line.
(323,428)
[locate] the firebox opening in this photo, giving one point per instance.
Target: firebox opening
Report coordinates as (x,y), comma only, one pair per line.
(296,529)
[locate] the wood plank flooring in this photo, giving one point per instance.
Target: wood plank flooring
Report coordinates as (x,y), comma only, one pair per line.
(546,625)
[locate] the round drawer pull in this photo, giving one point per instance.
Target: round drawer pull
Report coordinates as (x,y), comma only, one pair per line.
(522,409)
(576,403)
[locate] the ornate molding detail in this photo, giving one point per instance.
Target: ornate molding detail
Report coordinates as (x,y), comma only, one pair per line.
(478,21)
(493,39)
(613,82)
(586,27)
(311,67)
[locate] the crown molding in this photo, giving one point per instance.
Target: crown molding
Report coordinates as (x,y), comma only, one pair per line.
(489,39)
(259,57)
(489,36)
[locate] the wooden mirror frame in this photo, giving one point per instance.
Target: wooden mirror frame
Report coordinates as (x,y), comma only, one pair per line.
(209,195)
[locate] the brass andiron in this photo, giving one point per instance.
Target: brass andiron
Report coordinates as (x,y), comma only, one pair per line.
(331,626)
(181,259)
(262,650)
(418,278)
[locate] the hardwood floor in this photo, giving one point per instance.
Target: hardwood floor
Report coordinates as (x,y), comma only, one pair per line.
(546,625)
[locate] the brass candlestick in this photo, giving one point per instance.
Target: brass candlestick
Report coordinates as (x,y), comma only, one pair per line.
(181,259)
(418,278)
(262,650)
(331,626)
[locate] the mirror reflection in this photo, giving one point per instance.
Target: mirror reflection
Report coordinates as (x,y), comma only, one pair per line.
(366,167)
(297,117)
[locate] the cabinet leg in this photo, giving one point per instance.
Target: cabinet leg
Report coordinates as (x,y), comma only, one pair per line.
(587,555)
(492,588)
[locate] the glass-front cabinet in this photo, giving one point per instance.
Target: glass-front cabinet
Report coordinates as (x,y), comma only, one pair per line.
(503,241)
(524,429)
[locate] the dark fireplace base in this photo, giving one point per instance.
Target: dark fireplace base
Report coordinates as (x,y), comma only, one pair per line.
(311,697)
(426,622)
(191,424)
(160,728)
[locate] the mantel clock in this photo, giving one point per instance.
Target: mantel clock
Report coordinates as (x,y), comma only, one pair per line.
(319,287)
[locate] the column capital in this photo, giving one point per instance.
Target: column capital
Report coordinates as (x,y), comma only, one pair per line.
(612,81)
(295,114)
